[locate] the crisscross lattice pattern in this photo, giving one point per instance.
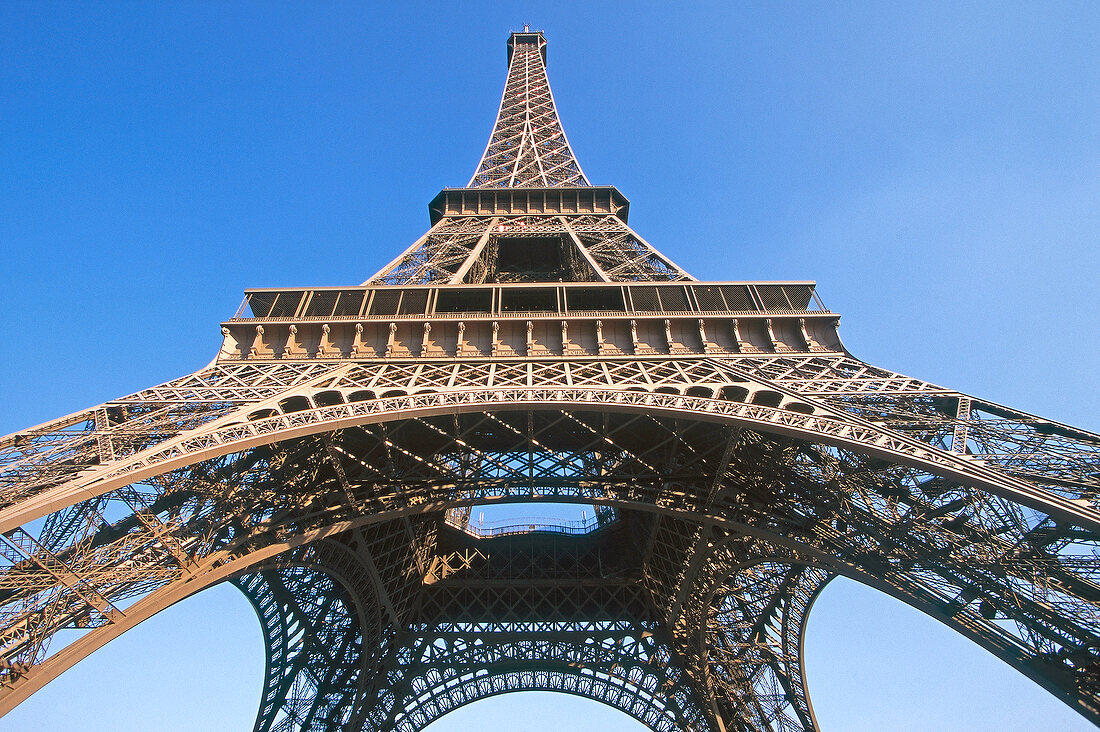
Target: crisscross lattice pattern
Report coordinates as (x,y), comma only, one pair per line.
(528,146)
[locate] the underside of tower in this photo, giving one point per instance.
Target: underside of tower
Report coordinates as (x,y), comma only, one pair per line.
(531,347)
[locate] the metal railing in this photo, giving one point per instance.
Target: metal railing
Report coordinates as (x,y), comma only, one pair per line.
(515,526)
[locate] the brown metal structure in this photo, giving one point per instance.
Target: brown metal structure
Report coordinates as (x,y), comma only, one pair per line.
(532,347)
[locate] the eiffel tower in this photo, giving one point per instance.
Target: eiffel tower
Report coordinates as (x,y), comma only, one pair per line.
(532,348)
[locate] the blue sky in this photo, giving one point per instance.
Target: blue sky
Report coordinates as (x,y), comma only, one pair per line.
(935,168)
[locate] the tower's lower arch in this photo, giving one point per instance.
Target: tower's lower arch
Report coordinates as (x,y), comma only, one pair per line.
(686,610)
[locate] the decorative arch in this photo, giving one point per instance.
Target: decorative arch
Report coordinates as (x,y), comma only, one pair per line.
(754,473)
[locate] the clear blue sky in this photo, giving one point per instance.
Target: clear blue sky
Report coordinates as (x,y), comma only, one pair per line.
(936,169)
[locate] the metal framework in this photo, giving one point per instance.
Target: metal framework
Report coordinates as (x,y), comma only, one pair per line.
(532,347)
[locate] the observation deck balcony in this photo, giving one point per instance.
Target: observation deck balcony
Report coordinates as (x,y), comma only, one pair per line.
(531,319)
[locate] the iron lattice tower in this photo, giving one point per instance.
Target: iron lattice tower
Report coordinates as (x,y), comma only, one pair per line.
(532,347)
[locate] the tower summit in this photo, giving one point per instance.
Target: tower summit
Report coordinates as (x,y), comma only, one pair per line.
(527,148)
(558,228)
(532,348)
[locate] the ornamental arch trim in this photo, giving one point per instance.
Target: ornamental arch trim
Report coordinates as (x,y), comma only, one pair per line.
(827,426)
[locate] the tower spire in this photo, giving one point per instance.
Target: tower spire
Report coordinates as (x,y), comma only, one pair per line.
(558,228)
(527,148)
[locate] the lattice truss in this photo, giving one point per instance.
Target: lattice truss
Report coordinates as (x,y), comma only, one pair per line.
(462,249)
(732,489)
(527,147)
(742,483)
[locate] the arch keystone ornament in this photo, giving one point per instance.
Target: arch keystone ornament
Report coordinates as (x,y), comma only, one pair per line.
(532,347)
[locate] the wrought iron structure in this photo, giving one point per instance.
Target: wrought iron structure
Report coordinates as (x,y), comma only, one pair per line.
(532,347)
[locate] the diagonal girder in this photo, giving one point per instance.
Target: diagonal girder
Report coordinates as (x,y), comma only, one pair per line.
(463,250)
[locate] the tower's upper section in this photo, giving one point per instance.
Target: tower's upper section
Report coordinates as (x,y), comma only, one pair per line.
(529,261)
(528,148)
